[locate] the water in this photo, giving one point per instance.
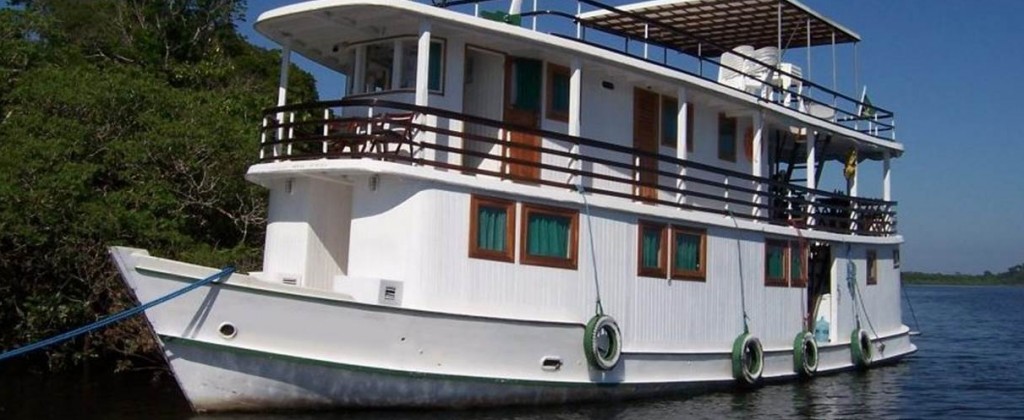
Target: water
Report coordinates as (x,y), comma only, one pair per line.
(970,364)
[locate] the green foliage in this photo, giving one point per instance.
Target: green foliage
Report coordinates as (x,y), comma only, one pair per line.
(1013,276)
(137,132)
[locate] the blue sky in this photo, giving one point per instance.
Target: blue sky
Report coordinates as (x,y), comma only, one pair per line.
(951,71)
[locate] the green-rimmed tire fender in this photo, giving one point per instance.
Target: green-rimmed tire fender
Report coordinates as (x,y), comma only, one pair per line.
(602,358)
(747,359)
(805,354)
(860,348)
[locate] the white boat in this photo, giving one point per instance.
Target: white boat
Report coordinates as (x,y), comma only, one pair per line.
(548,206)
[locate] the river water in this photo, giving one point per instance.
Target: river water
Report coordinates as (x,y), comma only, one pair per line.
(970,364)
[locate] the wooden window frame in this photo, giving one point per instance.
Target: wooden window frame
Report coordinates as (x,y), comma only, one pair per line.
(674,139)
(804,250)
(662,270)
(700,274)
(510,230)
(871,266)
(549,90)
(524,232)
(722,119)
(777,281)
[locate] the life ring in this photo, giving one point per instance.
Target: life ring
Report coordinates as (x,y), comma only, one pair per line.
(860,348)
(850,170)
(747,359)
(602,342)
(805,354)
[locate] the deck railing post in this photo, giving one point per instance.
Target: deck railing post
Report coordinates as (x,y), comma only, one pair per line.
(682,140)
(575,106)
(326,131)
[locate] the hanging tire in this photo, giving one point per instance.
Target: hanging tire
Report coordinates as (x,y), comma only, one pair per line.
(805,355)
(860,348)
(602,342)
(747,359)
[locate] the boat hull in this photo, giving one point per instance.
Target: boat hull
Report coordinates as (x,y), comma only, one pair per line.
(290,348)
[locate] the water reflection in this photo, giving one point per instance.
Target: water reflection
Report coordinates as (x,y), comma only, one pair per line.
(969,365)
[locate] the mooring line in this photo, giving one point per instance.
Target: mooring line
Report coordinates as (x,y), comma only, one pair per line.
(114,318)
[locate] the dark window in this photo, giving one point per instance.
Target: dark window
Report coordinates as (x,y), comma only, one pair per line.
(491,229)
(653,251)
(689,254)
(726,138)
(549,236)
(558,92)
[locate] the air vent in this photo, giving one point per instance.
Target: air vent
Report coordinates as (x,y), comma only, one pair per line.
(551,363)
(290,281)
(390,293)
(608,85)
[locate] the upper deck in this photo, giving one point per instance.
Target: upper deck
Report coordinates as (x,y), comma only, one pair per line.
(745,48)
(655,121)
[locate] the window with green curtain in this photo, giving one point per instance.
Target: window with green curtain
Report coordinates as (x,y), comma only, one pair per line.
(527,84)
(434,72)
(548,235)
(726,138)
(650,250)
(687,255)
(492,224)
(796,262)
(775,261)
(560,92)
(669,121)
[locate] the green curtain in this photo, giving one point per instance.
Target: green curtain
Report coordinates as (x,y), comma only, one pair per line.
(527,84)
(796,263)
(492,223)
(727,138)
(687,255)
(775,266)
(434,72)
(651,248)
(560,93)
(548,236)
(669,121)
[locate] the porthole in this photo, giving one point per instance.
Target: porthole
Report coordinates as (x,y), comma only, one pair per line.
(227,330)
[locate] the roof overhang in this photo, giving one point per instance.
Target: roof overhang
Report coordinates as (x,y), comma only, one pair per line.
(716,26)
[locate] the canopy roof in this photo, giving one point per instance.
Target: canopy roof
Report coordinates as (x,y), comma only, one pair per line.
(721,25)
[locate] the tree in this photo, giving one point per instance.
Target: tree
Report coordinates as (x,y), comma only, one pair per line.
(136,132)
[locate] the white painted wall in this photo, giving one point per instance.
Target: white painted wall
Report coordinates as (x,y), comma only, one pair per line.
(418,233)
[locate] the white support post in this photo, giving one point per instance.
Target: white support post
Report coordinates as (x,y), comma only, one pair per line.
(423,65)
(646,34)
(282,93)
(755,160)
(423,90)
(886,176)
(812,172)
(851,186)
(682,139)
(575,126)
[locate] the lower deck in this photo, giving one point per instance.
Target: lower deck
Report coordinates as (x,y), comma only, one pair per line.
(675,280)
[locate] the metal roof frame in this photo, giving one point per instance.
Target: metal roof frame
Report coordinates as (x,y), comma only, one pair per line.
(712,27)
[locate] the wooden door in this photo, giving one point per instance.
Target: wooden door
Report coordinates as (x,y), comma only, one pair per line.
(645,138)
(522,108)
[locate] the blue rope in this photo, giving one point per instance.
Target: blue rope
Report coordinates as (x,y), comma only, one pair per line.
(114,318)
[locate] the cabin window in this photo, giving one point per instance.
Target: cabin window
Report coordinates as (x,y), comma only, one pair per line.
(726,138)
(872,269)
(558,92)
(410,49)
(797,264)
(380,59)
(689,253)
(775,260)
(491,229)
(669,121)
(653,251)
(398,57)
(549,236)
(526,83)
(896,258)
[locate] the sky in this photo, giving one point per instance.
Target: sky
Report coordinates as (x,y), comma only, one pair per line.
(951,71)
